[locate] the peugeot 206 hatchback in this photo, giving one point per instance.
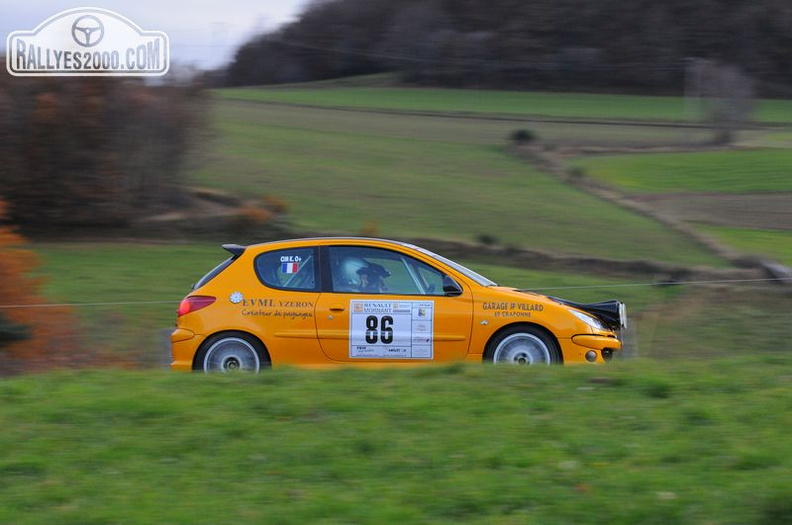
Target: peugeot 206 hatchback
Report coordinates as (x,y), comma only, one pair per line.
(370,301)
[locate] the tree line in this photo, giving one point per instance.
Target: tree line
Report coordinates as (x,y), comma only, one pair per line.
(635,45)
(93,152)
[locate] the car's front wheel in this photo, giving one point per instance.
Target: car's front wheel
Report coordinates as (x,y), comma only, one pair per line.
(231,352)
(523,345)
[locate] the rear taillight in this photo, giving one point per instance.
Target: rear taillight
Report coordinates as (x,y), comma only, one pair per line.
(193,303)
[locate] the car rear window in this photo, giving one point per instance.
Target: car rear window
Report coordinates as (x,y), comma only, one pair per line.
(289,269)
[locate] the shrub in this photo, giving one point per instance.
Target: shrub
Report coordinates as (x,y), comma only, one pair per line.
(487,239)
(10,331)
(31,338)
(776,508)
(276,204)
(251,216)
(523,136)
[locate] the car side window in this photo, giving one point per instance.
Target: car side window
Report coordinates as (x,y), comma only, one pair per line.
(355,269)
(432,279)
(290,269)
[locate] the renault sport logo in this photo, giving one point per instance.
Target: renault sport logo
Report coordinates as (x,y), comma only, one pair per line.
(87,41)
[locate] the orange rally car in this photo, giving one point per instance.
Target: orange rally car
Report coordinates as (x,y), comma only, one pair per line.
(372,301)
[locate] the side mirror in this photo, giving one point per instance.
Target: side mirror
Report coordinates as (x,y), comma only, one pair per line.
(451,288)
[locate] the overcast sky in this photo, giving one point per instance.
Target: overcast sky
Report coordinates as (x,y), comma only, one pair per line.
(202,33)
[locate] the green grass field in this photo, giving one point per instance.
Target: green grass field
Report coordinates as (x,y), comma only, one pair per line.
(633,442)
(482,129)
(412,187)
(774,139)
(137,287)
(756,174)
(764,170)
(555,105)
(776,244)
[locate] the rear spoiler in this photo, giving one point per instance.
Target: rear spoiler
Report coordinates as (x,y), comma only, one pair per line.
(234,249)
(613,313)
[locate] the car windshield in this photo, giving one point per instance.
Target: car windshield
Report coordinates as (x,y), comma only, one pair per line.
(467,272)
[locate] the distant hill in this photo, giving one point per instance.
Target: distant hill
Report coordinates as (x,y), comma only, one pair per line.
(613,45)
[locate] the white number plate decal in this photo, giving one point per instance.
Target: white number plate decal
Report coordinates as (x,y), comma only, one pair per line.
(391,329)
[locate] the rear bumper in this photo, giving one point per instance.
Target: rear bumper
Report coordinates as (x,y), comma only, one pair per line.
(184,344)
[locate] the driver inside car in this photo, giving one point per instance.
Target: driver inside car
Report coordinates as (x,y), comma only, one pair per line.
(372,278)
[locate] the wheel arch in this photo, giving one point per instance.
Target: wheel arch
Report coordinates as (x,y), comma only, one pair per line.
(510,326)
(266,356)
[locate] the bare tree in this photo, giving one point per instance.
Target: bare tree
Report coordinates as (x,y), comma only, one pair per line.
(93,151)
(725,96)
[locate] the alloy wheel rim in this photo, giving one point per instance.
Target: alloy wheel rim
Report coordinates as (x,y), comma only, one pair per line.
(522,349)
(232,355)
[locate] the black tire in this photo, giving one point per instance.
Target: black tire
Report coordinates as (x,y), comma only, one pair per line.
(231,352)
(523,345)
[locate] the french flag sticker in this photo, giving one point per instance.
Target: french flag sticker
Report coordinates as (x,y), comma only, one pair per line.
(289,267)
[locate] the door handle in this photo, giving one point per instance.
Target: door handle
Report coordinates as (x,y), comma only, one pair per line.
(337,308)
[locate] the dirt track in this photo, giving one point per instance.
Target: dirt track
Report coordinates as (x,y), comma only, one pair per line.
(771,211)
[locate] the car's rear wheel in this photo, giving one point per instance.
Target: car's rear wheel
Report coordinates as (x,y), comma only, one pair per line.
(231,352)
(523,345)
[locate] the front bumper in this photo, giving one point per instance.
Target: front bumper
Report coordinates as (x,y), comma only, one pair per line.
(597,342)
(589,348)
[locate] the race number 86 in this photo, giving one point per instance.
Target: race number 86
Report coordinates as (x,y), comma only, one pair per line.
(379,330)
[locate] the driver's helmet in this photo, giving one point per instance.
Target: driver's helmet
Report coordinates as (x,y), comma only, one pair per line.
(372,278)
(374,270)
(346,276)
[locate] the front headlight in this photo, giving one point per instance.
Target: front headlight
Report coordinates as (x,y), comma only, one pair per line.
(590,320)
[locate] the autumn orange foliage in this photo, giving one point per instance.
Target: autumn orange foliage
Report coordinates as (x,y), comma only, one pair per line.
(49,334)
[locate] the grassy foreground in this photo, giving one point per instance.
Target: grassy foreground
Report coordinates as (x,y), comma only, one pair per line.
(633,442)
